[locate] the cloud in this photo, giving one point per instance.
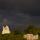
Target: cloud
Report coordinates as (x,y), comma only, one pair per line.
(23,19)
(36,19)
(19,14)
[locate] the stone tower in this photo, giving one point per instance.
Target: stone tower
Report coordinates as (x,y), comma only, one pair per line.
(5,27)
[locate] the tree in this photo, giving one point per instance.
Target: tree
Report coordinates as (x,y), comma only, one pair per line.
(17,32)
(29,29)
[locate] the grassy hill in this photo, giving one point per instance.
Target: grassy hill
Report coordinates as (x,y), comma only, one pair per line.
(16,35)
(11,37)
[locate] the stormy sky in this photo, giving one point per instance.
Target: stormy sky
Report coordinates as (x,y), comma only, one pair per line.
(20,12)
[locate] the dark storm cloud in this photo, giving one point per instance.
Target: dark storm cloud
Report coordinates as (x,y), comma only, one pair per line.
(21,9)
(23,19)
(31,6)
(21,4)
(10,7)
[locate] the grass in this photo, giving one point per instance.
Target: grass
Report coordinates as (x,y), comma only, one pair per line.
(11,37)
